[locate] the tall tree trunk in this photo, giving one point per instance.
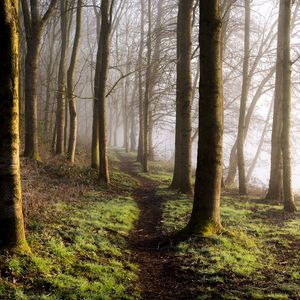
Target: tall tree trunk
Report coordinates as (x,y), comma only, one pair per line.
(34,26)
(147,87)
(12,233)
(154,75)
(66,125)
(48,95)
(31,114)
(275,191)
(132,116)
(110,127)
(205,218)
(51,41)
(244,97)
(125,112)
(150,135)
(232,168)
(116,124)
(141,94)
(61,88)
(288,197)
(95,136)
(100,86)
(70,85)
(182,177)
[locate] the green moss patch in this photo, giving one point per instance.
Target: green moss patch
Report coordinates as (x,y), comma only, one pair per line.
(256,256)
(81,254)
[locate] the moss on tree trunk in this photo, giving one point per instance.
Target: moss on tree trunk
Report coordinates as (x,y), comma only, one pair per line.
(12,234)
(205,218)
(182,177)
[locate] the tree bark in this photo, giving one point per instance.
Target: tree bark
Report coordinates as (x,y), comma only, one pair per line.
(146,97)
(244,97)
(31,115)
(275,191)
(34,26)
(51,41)
(61,87)
(141,94)
(70,86)
(12,233)
(132,116)
(95,136)
(182,176)
(126,110)
(100,86)
(205,218)
(288,197)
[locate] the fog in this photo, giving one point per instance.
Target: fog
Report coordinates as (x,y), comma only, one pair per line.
(124,61)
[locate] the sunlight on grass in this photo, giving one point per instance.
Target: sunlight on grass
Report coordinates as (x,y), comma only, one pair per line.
(245,255)
(80,255)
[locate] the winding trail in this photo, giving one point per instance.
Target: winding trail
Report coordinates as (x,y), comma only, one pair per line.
(160,276)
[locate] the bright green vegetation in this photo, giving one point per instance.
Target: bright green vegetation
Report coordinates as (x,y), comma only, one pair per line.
(255,257)
(159,171)
(79,232)
(80,249)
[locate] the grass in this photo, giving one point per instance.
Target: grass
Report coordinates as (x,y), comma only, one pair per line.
(256,256)
(83,254)
(159,171)
(79,232)
(78,235)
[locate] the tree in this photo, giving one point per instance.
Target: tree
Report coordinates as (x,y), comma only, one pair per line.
(205,218)
(275,191)
(147,93)
(70,86)
(50,68)
(34,26)
(288,197)
(140,92)
(154,72)
(100,85)
(12,233)
(61,88)
(182,177)
(245,90)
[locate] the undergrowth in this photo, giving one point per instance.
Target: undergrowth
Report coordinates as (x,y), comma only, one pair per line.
(78,236)
(256,256)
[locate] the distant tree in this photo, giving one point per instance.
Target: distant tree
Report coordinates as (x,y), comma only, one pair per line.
(100,85)
(50,70)
(205,218)
(12,234)
(61,84)
(140,82)
(146,100)
(70,85)
(288,197)
(244,97)
(34,27)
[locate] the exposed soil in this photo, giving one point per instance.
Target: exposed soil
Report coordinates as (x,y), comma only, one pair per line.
(160,275)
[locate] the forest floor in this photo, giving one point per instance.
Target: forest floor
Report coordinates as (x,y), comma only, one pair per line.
(160,275)
(93,243)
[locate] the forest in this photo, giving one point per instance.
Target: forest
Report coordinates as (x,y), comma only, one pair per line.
(149,149)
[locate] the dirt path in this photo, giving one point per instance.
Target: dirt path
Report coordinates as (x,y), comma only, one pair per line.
(160,276)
